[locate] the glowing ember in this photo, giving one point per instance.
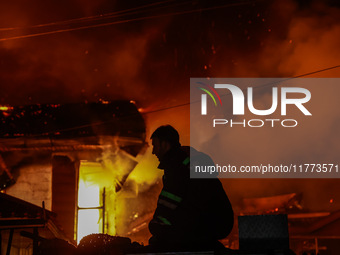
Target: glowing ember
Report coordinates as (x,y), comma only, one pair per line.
(5,108)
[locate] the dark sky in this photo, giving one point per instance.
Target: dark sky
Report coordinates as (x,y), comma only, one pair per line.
(151,60)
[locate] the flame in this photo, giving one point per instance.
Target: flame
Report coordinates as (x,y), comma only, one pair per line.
(103,101)
(92,181)
(88,196)
(88,223)
(89,220)
(5,108)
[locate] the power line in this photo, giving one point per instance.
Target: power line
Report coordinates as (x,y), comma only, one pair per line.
(315,72)
(260,86)
(100,16)
(128,20)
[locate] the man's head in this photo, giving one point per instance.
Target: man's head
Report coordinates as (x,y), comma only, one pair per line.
(163,139)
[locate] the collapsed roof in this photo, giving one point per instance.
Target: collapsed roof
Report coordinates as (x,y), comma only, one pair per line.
(78,127)
(118,118)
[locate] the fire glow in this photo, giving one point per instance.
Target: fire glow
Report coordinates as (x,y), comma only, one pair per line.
(5,108)
(88,219)
(91,216)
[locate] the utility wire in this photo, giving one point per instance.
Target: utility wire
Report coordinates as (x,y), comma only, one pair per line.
(101,16)
(260,86)
(128,20)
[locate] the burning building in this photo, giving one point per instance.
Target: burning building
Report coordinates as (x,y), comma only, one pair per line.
(75,51)
(75,158)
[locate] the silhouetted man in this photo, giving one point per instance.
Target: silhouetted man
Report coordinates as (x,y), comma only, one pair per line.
(191,214)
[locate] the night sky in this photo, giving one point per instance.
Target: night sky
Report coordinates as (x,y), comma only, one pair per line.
(150,60)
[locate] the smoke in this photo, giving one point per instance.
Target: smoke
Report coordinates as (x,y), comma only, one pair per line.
(86,65)
(151,62)
(289,40)
(302,40)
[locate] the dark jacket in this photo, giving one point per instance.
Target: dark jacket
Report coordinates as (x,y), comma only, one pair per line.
(189,210)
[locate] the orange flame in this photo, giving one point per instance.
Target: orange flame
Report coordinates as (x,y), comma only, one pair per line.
(5,108)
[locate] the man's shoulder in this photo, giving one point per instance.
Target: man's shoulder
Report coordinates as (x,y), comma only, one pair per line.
(173,158)
(196,155)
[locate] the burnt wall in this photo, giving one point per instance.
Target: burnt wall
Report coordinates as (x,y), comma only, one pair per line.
(64,192)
